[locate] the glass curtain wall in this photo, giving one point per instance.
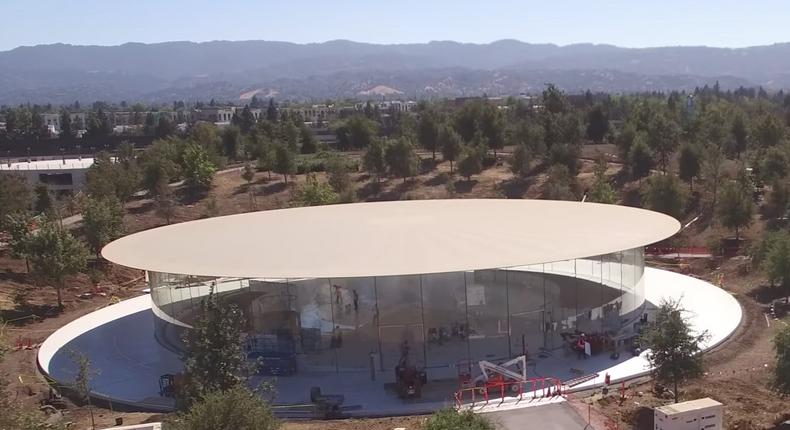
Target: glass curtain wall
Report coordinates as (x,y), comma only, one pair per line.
(434,320)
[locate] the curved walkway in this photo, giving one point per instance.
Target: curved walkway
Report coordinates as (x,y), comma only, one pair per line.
(119,340)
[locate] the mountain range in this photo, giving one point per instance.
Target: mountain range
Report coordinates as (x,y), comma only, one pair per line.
(235,71)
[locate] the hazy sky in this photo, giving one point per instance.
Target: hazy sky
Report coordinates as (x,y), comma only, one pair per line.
(632,23)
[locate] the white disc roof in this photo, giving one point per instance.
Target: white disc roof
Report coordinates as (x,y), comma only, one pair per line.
(390,238)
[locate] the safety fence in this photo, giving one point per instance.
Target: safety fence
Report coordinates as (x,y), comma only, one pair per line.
(541,388)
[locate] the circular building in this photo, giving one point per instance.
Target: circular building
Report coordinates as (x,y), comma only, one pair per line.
(359,287)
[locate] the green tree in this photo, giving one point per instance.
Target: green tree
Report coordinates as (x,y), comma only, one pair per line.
(102,219)
(82,380)
(736,207)
(560,184)
(767,131)
(450,143)
(67,130)
(164,126)
(43,203)
(781,376)
(373,160)
(231,141)
(356,132)
(271,111)
(235,408)
(640,158)
(597,124)
(554,100)
(602,190)
(15,196)
(18,226)
(451,419)
(289,134)
(519,161)
(164,203)
(689,163)
(712,170)
(401,158)
(339,177)
(663,135)
(108,178)
(284,161)
(740,135)
(56,254)
(675,350)
(197,167)
(428,131)
(773,165)
(664,194)
(309,144)
(776,262)
(471,162)
(214,357)
(314,192)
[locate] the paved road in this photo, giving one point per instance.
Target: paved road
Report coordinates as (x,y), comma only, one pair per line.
(558,416)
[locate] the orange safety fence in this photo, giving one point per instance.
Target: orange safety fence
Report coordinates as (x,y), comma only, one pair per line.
(547,387)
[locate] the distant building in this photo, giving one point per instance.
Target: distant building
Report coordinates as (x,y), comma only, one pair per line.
(61,176)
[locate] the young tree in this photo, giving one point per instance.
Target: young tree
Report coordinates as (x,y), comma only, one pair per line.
(18,227)
(519,161)
(15,196)
(428,131)
(55,254)
(197,167)
(602,190)
(309,145)
(471,162)
(164,202)
(231,141)
(401,158)
(43,203)
(781,377)
(640,158)
(560,184)
(740,134)
(597,124)
(776,260)
(712,170)
(236,408)
(339,178)
(271,111)
(315,193)
(663,135)
(690,163)
(450,143)
(664,194)
(451,419)
(102,219)
(284,161)
(82,380)
(214,357)
(736,207)
(356,132)
(373,160)
(675,350)
(67,131)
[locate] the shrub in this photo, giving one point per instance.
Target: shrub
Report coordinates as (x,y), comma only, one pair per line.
(450,419)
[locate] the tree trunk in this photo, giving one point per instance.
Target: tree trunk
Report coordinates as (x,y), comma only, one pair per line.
(60,299)
(676,389)
(433,153)
(451,166)
(27,264)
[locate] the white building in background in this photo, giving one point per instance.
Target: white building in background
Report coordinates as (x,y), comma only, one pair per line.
(61,176)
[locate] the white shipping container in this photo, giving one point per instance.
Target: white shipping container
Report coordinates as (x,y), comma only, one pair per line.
(700,414)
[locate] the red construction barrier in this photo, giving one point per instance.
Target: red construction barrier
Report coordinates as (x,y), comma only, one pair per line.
(547,387)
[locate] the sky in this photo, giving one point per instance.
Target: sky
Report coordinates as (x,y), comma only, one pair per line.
(629,23)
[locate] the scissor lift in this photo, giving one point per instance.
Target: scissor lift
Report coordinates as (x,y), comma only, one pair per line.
(510,375)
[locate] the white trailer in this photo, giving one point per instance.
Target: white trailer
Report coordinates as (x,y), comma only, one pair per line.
(700,414)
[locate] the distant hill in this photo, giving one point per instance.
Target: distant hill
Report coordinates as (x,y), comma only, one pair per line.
(168,71)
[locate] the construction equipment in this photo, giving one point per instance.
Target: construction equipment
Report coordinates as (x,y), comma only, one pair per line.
(510,375)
